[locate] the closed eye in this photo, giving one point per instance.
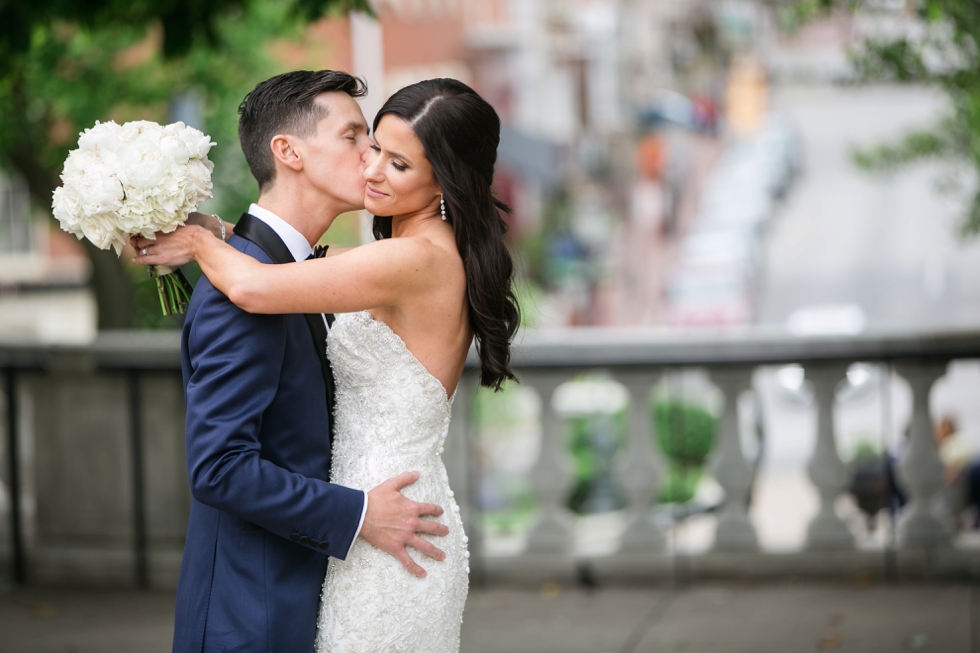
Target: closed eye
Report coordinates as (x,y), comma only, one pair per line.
(398,166)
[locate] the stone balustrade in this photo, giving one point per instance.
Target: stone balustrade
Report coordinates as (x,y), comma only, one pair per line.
(100,490)
(637,359)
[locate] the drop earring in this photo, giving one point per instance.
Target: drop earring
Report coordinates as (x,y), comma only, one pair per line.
(442,207)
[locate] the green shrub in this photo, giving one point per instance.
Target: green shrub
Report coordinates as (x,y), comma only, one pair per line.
(685,432)
(583,455)
(680,482)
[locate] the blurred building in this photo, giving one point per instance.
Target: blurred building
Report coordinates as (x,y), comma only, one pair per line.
(42,275)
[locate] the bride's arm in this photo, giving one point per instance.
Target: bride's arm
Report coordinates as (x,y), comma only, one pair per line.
(212,223)
(219,229)
(383,273)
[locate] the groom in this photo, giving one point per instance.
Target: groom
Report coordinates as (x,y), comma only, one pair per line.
(264,517)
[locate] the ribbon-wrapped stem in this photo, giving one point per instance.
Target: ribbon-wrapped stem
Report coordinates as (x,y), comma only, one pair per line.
(173,288)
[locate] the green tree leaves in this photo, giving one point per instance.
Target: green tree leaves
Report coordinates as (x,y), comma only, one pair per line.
(66,63)
(943,50)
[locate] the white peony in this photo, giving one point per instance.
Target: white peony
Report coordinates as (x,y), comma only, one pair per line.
(174,149)
(199,176)
(101,138)
(99,190)
(136,178)
(99,230)
(141,163)
(197,143)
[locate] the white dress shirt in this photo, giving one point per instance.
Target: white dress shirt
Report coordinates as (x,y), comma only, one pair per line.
(301,249)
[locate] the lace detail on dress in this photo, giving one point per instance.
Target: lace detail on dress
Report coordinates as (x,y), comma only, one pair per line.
(391,416)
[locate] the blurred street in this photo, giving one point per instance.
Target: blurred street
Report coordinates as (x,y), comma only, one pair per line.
(885,244)
(728,618)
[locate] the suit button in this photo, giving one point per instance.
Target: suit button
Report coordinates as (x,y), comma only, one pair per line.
(314,543)
(294,537)
(304,540)
(324,546)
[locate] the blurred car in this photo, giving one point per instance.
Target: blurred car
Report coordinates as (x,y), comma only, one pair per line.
(720,249)
(709,299)
(735,207)
(827,320)
(719,262)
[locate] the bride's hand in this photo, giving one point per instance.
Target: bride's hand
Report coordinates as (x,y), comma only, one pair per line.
(173,249)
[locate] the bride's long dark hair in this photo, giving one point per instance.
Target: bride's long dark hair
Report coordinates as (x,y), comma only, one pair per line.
(460,132)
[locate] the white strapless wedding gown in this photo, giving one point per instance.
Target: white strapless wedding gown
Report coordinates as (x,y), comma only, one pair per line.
(391,416)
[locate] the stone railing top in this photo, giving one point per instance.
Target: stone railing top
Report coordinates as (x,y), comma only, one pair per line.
(558,348)
(110,350)
(644,347)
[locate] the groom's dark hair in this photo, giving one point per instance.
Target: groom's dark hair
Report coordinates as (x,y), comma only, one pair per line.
(284,104)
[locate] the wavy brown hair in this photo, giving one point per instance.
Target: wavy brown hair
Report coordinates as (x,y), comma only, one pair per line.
(460,131)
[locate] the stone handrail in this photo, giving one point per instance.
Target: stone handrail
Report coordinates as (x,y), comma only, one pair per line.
(100,448)
(637,358)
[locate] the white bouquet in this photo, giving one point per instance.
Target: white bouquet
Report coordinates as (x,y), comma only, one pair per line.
(136,178)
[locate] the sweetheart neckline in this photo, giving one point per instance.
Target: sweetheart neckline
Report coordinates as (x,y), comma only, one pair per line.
(447,399)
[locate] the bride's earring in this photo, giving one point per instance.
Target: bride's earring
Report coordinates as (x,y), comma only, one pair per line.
(442,206)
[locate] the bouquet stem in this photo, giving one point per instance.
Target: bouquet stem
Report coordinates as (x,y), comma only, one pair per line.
(173,288)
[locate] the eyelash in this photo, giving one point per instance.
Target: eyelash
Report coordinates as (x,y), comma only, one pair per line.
(399,167)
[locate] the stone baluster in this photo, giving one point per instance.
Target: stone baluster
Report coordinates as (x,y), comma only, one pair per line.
(551,476)
(640,468)
(729,466)
(827,471)
(921,471)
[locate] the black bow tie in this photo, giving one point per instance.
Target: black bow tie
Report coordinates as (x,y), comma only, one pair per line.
(319,251)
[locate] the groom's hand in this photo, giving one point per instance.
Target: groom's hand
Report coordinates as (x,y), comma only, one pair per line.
(393,522)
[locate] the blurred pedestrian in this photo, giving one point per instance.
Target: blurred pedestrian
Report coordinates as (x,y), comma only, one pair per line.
(961,470)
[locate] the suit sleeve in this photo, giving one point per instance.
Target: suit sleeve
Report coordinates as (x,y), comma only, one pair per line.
(236,359)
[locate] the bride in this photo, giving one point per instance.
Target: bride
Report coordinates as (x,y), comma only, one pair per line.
(438,277)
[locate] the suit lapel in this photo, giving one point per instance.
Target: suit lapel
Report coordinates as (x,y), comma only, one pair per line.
(252,229)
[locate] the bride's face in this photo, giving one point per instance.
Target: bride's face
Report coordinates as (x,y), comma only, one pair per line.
(399,176)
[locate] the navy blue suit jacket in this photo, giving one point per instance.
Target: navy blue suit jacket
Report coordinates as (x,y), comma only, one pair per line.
(264,517)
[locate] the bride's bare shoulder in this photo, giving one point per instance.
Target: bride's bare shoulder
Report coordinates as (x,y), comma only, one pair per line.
(421,248)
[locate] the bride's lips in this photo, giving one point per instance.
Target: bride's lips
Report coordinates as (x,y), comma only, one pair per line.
(374,193)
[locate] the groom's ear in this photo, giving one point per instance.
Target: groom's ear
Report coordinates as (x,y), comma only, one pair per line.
(284,151)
